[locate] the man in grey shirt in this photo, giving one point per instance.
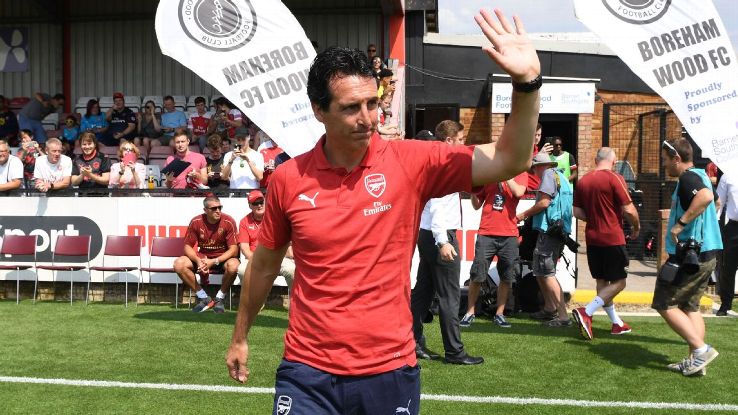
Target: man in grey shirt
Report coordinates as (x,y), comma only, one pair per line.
(41,105)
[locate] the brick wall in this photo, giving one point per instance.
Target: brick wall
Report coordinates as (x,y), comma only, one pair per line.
(476,122)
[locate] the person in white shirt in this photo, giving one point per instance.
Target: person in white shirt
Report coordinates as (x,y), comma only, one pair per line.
(440,266)
(54,170)
(727,191)
(11,169)
(243,166)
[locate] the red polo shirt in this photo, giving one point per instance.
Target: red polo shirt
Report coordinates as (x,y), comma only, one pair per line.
(248,231)
(353,235)
(602,195)
(500,220)
(211,239)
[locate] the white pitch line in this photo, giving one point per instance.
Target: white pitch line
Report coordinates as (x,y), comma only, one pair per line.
(427,397)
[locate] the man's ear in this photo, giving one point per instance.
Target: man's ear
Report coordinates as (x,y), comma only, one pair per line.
(317,111)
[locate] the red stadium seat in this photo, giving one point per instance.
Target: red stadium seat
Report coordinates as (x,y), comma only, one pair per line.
(17,103)
(166,248)
(22,246)
(122,246)
(70,246)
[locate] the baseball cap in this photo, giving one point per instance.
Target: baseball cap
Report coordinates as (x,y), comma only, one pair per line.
(543,158)
(255,195)
(118,95)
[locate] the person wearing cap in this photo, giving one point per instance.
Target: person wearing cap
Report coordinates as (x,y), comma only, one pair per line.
(214,235)
(248,237)
(121,123)
(551,216)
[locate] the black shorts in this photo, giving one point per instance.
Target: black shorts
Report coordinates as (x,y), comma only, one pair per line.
(609,263)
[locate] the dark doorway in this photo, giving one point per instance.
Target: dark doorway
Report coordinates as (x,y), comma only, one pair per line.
(564,126)
(427,116)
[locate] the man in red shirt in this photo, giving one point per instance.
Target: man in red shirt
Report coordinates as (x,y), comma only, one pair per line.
(248,236)
(210,248)
(198,122)
(498,235)
(601,199)
(351,209)
(269,150)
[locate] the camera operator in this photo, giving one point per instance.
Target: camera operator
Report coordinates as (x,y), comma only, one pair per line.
(692,242)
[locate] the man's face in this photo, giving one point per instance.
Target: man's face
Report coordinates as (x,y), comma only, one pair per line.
(386,103)
(215,153)
(200,107)
(457,140)
(181,144)
(213,210)
(225,147)
(670,163)
(118,103)
(4,154)
(538,136)
(558,146)
(258,208)
(53,150)
(88,147)
(169,105)
(57,103)
(351,117)
(25,137)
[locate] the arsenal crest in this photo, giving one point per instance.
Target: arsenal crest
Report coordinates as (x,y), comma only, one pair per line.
(375,184)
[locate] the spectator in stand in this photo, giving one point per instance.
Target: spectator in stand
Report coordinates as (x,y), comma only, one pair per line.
(171,120)
(70,133)
(91,168)
(196,172)
(121,123)
(248,237)
(386,83)
(371,52)
(269,151)
(226,120)
(215,236)
(243,166)
(198,122)
(28,152)
(54,170)
(377,67)
(37,109)
(386,130)
(8,123)
(214,161)
(129,175)
(226,145)
(566,161)
(94,121)
(149,124)
(11,170)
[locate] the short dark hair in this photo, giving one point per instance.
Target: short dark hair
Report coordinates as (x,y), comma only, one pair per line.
(683,148)
(331,64)
(181,131)
(199,100)
(448,128)
(60,97)
(168,98)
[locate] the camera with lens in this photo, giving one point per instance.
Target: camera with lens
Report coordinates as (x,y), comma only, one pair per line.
(556,229)
(688,255)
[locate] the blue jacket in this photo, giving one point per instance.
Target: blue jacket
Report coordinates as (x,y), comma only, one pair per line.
(560,207)
(704,228)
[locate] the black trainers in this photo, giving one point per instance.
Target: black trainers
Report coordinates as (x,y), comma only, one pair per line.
(500,321)
(467,320)
(203,304)
(219,308)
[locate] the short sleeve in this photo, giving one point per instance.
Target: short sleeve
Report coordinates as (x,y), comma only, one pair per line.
(75,169)
(105,165)
(620,190)
(689,184)
(232,234)
(15,167)
(572,161)
(276,229)
(243,234)
(548,183)
(191,234)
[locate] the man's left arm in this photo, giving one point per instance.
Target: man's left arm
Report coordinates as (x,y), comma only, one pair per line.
(512,51)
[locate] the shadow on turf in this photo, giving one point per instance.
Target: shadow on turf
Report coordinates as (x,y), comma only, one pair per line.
(229,318)
(626,355)
(523,326)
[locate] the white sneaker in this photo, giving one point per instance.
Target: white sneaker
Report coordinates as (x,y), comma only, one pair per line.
(679,366)
(699,361)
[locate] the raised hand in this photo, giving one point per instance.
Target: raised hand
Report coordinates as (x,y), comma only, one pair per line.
(511,49)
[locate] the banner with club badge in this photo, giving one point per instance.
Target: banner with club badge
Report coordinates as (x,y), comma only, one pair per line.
(255,53)
(681,49)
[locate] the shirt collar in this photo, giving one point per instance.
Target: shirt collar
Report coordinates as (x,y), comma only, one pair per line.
(376,146)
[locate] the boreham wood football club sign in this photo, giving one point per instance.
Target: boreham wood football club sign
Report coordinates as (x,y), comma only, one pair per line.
(681,49)
(255,53)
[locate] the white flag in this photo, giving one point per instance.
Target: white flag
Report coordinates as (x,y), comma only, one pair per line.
(255,53)
(680,48)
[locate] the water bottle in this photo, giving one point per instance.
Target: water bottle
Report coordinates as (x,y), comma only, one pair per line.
(151,178)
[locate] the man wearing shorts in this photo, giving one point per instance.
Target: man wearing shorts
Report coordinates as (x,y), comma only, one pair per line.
(551,216)
(692,217)
(601,199)
(214,234)
(351,209)
(498,236)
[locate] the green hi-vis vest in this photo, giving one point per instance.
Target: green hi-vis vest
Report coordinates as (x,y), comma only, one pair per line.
(563,160)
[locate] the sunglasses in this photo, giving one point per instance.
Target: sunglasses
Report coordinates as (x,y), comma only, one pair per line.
(215,208)
(127,149)
(670,148)
(258,203)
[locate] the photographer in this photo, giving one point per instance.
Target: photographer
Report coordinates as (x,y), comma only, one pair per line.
(692,242)
(551,215)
